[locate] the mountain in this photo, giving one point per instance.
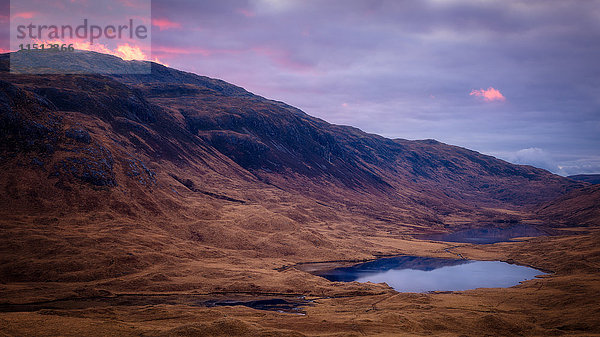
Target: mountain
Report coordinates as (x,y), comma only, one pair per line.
(173,159)
(588,178)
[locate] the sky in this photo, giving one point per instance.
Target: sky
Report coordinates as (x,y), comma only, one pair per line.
(519,80)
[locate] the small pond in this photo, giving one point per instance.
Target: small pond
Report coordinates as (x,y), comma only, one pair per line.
(424,274)
(486,234)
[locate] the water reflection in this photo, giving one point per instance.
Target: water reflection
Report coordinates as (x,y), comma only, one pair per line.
(486,235)
(422,274)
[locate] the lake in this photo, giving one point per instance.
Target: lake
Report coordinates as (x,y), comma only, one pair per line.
(424,274)
(486,234)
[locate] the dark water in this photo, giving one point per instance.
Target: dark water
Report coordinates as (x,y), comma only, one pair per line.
(276,304)
(486,235)
(423,274)
(289,304)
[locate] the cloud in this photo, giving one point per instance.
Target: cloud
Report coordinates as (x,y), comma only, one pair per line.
(128,52)
(284,59)
(534,156)
(125,51)
(171,52)
(589,165)
(131,3)
(274,6)
(489,95)
(246,12)
(24,15)
(156,60)
(165,24)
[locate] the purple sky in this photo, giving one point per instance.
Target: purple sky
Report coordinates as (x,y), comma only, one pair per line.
(411,69)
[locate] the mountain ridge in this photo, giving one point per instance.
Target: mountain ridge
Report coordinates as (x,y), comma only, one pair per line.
(265,136)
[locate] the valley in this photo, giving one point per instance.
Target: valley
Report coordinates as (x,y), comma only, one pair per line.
(145,204)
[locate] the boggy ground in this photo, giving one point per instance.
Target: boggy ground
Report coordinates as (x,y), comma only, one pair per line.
(566,302)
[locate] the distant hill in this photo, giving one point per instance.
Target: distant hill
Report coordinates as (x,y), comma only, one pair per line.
(579,207)
(588,178)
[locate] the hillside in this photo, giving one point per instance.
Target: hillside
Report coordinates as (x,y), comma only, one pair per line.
(588,178)
(152,205)
(576,208)
(272,140)
(203,163)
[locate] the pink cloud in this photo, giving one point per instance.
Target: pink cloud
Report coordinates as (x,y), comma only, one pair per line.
(3,51)
(156,60)
(165,50)
(131,4)
(125,51)
(245,12)
(279,57)
(285,59)
(165,24)
(489,95)
(24,15)
(176,51)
